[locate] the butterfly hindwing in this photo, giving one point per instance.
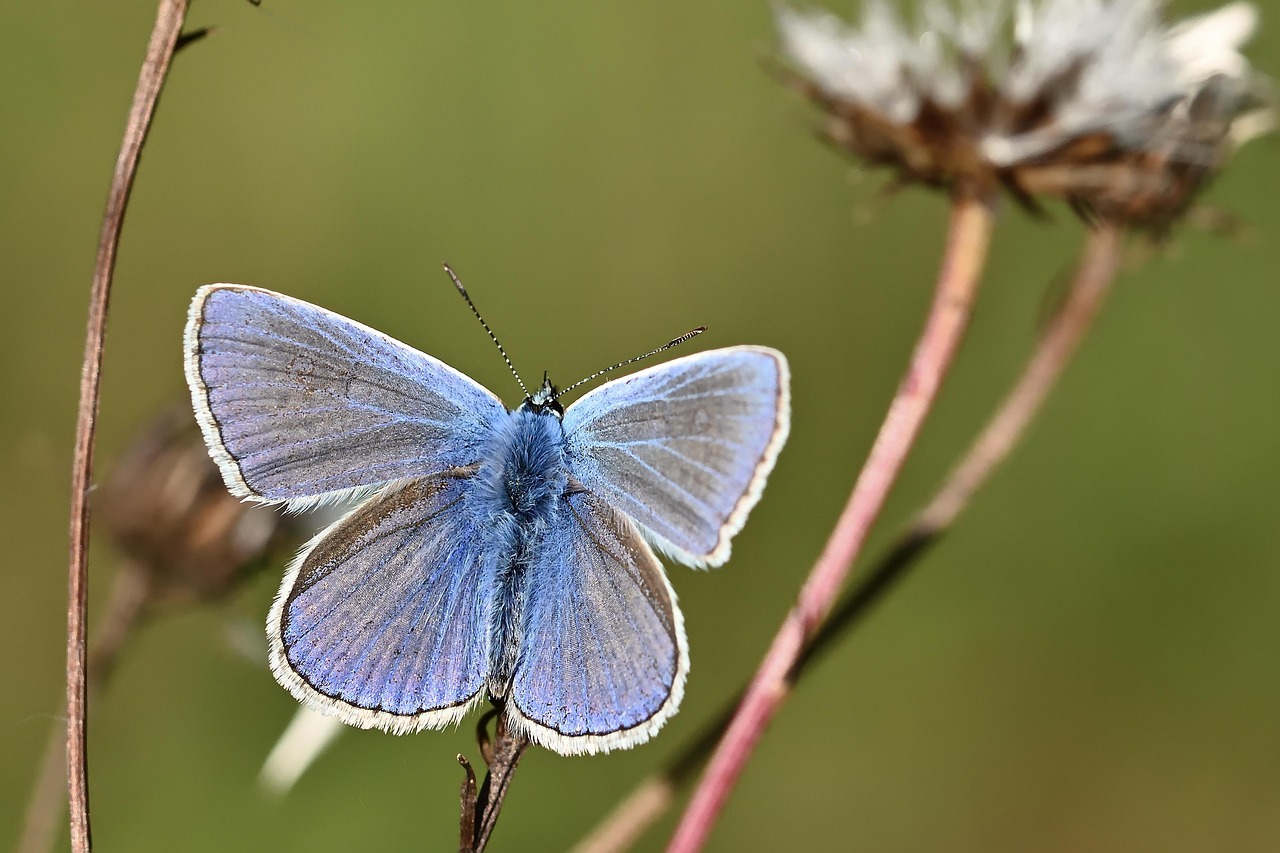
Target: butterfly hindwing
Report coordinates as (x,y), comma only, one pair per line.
(684,448)
(297,402)
(383,619)
(602,658)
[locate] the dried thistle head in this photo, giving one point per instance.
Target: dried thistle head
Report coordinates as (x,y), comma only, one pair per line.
(1098,102)
(167,509)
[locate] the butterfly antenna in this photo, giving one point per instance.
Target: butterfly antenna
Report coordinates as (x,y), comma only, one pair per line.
(492,336)
(689,335)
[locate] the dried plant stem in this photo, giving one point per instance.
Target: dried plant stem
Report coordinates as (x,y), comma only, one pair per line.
(160,49)
(1061,337)
(481,806)
(1092,282)
(508,749)
(126,604)
(623,826)
(969,236)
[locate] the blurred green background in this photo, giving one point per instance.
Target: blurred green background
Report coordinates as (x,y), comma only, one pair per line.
(1088,663)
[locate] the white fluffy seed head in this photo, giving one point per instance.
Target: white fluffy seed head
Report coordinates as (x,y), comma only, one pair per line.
(971,90)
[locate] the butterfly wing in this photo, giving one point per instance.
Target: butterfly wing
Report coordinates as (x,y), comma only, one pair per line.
(602,656)
(298,403)
(684,448)
(383,619)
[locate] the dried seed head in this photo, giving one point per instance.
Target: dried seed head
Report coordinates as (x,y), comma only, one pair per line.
(1094,101)
(167,509)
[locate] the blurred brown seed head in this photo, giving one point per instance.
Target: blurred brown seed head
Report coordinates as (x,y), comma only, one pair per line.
(1097,102)
(167,509)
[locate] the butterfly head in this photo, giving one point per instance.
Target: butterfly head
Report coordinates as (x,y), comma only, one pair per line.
(544,399)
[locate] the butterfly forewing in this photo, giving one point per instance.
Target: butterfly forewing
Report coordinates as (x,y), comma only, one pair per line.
(602,657)
(297,402)
(684,448)
(384,619)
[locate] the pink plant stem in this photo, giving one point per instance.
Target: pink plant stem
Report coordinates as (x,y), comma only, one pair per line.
(164,39)
(1072,320)
(969,236)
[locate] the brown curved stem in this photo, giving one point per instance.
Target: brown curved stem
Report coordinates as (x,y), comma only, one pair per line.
(160,49)
(1061,337)
(126,604)
(969,236)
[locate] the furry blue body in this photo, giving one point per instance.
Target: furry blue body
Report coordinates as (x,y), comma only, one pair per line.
(517,496)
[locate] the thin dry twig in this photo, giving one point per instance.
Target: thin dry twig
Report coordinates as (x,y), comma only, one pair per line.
(160,50)
(969,235)
(1058,343)
(467,821)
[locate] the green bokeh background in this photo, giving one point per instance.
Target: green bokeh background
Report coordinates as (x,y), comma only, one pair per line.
(1088,663)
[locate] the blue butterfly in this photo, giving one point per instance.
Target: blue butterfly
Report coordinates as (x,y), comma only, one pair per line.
(500,552)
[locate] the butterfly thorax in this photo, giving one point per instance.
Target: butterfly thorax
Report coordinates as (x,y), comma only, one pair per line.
(518,494)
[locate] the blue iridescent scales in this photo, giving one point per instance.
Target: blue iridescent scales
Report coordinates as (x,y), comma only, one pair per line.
(497,552)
